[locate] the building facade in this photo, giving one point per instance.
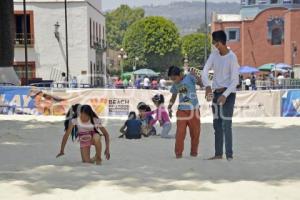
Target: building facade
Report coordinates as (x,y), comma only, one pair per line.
(47,41)
(265,31)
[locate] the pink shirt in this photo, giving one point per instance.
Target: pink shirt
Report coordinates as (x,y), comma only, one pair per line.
(161,115)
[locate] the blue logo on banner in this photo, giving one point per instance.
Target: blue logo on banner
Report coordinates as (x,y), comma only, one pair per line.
(16,100)
(291,104)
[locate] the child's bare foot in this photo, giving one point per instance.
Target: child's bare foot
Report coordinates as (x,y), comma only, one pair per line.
(98,161)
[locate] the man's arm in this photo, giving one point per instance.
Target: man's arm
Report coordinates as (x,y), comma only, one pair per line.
(234,77)
(196,73)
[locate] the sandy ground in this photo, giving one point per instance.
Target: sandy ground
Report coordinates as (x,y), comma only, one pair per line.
(266,164)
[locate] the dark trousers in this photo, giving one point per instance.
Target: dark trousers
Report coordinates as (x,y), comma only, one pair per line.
(223,124)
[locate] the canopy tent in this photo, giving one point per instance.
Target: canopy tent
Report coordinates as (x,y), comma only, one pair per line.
(8,76)
(248,70)
(146,72)
(280,70)
(283,66)
(127,75)
(267,67)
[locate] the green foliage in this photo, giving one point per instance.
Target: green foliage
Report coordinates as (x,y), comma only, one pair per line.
(118,21)
(155,41)
(194,46)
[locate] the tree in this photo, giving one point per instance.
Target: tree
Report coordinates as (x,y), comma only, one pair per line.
(7,33)
(155,41)
(117,23)
(194,46)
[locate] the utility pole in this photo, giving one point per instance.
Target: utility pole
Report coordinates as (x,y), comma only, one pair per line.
(25,41)
(206,32)
(67,46)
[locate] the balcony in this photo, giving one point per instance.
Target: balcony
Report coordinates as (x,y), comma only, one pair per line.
(20,40)
(100,46)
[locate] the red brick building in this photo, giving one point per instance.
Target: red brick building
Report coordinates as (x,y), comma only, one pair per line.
(265,31)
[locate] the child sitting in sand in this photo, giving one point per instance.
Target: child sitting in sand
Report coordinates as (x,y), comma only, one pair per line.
(132,127)
(147,128)
(161,115)
(83,120)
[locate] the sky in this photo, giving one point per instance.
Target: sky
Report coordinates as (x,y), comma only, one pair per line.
(111,4)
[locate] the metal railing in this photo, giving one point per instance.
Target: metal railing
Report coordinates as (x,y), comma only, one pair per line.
(20,39)
(278,84)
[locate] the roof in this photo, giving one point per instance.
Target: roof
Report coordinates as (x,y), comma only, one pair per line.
(228,17)
(42,1)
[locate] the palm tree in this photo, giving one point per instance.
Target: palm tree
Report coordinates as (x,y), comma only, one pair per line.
(7,33)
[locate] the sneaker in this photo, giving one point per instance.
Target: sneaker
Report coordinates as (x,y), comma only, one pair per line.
(229,158)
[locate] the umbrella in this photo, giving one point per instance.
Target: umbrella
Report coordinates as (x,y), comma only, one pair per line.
(127,75)
(146,72)
(283,66)
(248,70)
(267,67)
(283,71)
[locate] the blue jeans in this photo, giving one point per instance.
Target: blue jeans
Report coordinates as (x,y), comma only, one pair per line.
(166,128)
(223,124)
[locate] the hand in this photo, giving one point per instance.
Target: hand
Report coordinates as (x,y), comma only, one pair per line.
(170,112)
(208,94)
(60,154)
(221,100)
(107,153)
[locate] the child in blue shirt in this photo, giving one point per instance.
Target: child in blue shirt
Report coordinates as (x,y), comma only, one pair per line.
(132,127)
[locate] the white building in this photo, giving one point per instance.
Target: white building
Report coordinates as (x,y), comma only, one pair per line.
(46,49)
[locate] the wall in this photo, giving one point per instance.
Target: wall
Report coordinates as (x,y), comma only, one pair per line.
(254,48)
(292,28)
(48,53)
(236,45)
(96,17)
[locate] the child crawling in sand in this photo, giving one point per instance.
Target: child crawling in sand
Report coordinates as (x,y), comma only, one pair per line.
(83,123)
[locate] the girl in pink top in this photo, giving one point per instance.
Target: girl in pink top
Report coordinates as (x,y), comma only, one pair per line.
(86,124)
(161,116)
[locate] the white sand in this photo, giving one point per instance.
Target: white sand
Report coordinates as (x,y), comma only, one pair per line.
(266,165)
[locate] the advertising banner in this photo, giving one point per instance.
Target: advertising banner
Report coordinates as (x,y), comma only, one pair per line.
(119,102)
(291,104)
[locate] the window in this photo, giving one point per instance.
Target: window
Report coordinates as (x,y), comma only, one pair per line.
(93,33)
(97,36)
(297,1)
(91,37)
(103,33)
(233,34)
(274,1)
(21,70)
(19,27)
(276,36)
(91,72)
(276,31)
(251,2)
(100,31)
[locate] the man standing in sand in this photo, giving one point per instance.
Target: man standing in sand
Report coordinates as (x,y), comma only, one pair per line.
(225,65)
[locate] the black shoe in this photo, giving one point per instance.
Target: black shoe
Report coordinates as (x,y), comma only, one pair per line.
(215,158)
